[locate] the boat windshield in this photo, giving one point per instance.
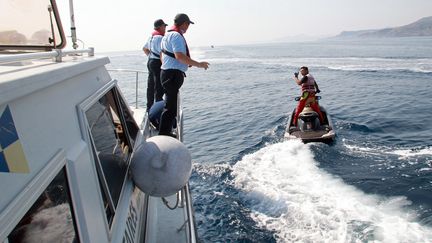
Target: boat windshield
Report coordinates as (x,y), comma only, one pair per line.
(30,25)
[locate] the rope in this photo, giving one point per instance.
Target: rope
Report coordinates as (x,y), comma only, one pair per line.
(168,206)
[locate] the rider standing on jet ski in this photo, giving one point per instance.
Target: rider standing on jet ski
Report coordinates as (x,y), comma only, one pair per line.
(309,89)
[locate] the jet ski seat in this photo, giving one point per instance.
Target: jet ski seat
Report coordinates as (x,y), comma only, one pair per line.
(308,120)
(308,116)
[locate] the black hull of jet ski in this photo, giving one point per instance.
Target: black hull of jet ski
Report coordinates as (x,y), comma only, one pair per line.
(308,131)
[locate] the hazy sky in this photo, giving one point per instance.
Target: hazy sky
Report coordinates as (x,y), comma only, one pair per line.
(111,25)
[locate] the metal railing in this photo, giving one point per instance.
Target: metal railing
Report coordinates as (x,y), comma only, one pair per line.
(137,72)
(57,54)
(192,233)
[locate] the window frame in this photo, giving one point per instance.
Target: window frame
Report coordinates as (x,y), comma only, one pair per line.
(59,26)
(103,187)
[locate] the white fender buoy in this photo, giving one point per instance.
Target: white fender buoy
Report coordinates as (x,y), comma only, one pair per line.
(161,166)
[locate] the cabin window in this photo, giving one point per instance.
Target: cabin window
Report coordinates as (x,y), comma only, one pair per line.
(50,219)
(30,25)
(131,125)
(112,147)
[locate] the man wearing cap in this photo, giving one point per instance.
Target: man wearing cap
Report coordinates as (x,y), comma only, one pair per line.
(152,49)
(175,62)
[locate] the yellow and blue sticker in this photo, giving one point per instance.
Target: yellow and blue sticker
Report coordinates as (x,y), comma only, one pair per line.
(12,157)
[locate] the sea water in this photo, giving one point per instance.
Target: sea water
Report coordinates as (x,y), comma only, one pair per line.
(249,184)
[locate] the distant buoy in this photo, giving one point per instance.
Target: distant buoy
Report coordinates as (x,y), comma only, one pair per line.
(161,166)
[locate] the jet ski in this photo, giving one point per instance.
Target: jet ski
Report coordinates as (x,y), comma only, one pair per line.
(309,128)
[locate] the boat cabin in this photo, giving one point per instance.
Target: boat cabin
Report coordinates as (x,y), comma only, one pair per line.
(67,138)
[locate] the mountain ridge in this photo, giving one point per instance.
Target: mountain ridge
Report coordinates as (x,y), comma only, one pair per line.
(421,27)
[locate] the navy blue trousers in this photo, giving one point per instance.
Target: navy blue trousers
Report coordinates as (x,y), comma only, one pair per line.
(172,80)
(154,86)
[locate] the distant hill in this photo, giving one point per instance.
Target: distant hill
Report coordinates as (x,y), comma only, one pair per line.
(422,27)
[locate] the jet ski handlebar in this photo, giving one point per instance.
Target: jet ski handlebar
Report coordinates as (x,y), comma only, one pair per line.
(299,97)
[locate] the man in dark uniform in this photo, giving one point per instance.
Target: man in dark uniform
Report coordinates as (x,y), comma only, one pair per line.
(152,49)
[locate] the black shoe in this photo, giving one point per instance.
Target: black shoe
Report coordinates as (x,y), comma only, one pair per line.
(170,135)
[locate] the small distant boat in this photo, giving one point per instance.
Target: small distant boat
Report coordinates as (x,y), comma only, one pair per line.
(309,128)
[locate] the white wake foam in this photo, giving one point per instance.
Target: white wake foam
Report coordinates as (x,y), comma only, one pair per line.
(402,153)
(419,65)
(294,198)
(412,153)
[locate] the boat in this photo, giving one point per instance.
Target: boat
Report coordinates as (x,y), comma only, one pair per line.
(73,151)
(309,128)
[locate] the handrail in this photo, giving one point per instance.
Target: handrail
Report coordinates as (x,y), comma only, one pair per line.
(28,56)
(136,79)
(57,54)
(127,70)
(190,214)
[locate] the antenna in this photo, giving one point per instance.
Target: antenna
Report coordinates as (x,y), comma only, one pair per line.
(73,29)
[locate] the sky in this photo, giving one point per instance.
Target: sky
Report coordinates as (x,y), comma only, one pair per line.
(110,25)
